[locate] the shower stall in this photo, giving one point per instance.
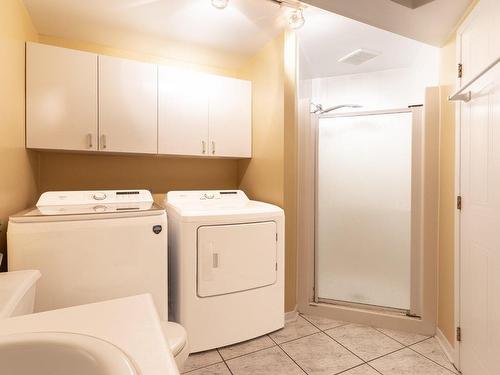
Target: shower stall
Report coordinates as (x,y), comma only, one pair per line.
(366,208)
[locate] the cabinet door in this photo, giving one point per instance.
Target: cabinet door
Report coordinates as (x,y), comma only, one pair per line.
(61,98)
(230,119)
(182,112)
(127,106)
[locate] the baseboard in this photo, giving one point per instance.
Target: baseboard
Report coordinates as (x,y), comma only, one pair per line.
(291,316)
(445,345)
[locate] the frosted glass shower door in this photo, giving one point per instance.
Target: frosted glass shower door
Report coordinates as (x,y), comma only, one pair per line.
(363,244)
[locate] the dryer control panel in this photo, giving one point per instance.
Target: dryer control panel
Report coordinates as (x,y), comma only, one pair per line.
(175,197)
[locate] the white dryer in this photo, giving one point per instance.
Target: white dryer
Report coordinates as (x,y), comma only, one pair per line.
(92,246)
(226,257)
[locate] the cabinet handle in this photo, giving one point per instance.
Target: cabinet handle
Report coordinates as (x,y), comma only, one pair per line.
(204,147)
(89,140)
(103,141)
(213,148)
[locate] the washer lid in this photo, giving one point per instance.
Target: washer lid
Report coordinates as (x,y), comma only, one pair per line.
(204,203)
(71,205)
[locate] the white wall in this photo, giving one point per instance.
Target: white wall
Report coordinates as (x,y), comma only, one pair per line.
(387,89)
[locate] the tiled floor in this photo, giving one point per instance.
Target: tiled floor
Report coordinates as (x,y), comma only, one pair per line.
(319,346)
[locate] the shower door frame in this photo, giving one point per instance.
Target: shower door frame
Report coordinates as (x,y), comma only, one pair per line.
(416,240)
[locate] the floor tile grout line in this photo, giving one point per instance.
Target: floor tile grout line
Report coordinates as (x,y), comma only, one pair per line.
(327,335)
(386,354)
(224,361)
(430,359)
(295,339)
(402,343)
(321,329)
(338,342)
(331,338)
(202,367)
(254,351)
(374,369)
(345,347)
(283,350)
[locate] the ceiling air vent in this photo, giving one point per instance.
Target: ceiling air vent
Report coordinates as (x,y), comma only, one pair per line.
(358,57)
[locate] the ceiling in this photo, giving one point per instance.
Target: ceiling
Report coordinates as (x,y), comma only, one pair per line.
(430,22)
(243,27)
(328,37)
(246,25)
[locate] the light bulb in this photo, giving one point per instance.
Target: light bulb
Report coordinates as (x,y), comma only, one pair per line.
(220,4)
(296,19)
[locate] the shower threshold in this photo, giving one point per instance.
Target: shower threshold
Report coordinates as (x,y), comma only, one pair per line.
(363,306)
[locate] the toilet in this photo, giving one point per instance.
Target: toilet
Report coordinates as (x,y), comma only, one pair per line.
(177,340)
(17,292)
(17,297)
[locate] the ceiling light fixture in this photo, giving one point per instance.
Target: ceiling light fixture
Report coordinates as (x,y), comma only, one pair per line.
(295,14)
(296,19)
(220,4)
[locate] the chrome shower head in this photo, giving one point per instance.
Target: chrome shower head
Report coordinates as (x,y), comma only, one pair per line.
(322,111)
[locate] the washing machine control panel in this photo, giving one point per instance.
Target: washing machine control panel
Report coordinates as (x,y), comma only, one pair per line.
(75,198)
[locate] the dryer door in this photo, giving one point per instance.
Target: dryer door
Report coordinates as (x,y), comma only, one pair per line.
(236,257)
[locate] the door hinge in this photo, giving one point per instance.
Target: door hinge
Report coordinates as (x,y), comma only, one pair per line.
(459,334)
(276,266)
(459,202)
(276,237)
(460,70)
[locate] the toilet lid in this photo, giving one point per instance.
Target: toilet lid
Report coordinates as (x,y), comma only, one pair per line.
(176,336)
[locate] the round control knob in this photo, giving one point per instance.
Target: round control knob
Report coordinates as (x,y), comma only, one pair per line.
(99,196)
(209,195)
(100,208)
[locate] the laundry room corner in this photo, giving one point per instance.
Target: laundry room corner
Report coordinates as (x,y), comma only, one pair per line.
(270,175)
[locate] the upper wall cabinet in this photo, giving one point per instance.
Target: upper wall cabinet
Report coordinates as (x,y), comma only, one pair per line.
(61,98)
(202,114)
(230,117)
(82,101)
(127,106)
(183,112)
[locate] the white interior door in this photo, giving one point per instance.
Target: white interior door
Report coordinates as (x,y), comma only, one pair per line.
(479,238)
(480,234)
(61,98)
(230,129)
(236,257)
(127,105)
(182,112)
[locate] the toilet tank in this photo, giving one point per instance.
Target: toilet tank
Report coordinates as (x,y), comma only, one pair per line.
(17,292)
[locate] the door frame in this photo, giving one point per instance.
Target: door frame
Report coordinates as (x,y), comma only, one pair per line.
(416,240)
(384,319)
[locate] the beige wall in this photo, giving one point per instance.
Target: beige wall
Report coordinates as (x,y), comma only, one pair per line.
(290,189)
(262,177)
(445,319)
(131,46)
(270,175)
(17,166)
(68,171)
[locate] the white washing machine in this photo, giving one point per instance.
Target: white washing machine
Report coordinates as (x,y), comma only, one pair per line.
(93,246)
(226,266)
